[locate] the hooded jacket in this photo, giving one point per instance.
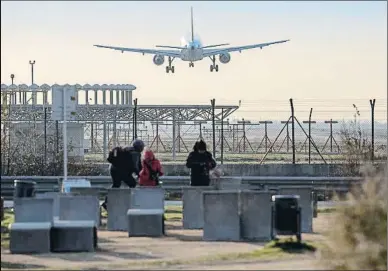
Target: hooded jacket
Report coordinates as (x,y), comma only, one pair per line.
(200,165)
(144,177)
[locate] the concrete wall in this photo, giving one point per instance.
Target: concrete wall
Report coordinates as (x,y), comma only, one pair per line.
(313,170)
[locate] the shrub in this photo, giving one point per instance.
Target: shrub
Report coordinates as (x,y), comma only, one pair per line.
(358,237)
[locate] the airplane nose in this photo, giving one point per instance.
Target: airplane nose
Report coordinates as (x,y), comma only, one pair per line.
(192,47)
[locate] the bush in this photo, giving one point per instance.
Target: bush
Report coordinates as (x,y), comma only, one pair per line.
(358,238)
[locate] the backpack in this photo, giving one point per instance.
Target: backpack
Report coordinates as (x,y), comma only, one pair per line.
(114,156)
(154,175)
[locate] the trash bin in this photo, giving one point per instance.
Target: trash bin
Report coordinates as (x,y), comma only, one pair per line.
(286,216)
(24,189)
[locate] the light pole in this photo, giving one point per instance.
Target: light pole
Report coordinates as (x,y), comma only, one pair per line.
(32,63)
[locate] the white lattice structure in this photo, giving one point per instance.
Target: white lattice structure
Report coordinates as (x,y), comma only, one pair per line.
(105,110)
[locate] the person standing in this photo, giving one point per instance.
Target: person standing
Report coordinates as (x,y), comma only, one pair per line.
(151,170)
(200,162)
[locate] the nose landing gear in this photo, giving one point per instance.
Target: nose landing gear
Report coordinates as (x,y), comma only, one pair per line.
(191,64)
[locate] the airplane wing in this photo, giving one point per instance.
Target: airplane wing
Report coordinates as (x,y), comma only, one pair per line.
(172,53)
(210,52)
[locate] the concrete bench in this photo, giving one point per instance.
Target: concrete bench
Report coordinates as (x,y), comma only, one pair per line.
(33,209)
(147,198)
(73,236)
(229,183)
(88,191)
(119,201)
(55,197)
(193,206)
(305,202)
(33,220)
(255,215)
(145,222)
(30,237)
(221,216)
(79,208)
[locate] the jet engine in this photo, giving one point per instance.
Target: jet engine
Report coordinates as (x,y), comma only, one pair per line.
(158,60)
(224,58)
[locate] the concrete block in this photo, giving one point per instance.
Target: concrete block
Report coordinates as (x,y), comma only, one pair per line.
(193,206)
(34,209)
(74,236)
(52,195)
(221,216)
(148,198)
(87,191)
(30,237)
(119,201)
(145,222)
(305,202)
(229,183)
(255,215)
(79,208)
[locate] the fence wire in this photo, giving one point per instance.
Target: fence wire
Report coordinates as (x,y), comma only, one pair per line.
(259,131)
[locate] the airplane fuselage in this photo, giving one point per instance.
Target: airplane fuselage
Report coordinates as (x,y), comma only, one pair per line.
(192,52)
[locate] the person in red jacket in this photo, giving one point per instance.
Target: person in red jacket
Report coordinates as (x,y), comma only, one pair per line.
(151,170)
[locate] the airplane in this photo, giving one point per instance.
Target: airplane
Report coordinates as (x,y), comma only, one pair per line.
(191,51)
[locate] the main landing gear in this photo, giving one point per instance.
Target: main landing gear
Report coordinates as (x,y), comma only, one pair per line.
(213,66)
(191,64)
(169,67)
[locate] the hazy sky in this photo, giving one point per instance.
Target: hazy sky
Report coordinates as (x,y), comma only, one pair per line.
(338,50)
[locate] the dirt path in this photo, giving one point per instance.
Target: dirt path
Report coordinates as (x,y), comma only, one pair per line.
(180,249)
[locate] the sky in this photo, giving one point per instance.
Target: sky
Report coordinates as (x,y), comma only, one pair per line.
(337,54)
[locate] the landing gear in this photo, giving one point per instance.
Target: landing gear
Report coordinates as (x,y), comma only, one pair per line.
(191,64)
(170,67)
(213,66)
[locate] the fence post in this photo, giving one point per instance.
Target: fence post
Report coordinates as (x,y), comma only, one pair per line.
(222,136)
(213,102)
(292,130)
(311,112)
(45,134)
(372,105)
(134,121)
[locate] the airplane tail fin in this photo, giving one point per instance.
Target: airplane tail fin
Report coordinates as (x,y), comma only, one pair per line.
(192,25)
(215,45)
(171,47)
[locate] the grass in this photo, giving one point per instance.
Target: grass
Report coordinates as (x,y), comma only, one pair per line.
(173,213)
(282,248)
(326,210)
(8,219)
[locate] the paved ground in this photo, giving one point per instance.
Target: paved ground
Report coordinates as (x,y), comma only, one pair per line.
(180,249)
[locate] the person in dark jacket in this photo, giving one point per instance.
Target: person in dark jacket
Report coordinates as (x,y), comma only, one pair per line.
(200,161)
(124,162)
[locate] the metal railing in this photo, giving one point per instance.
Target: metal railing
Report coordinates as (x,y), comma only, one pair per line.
(175,183)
